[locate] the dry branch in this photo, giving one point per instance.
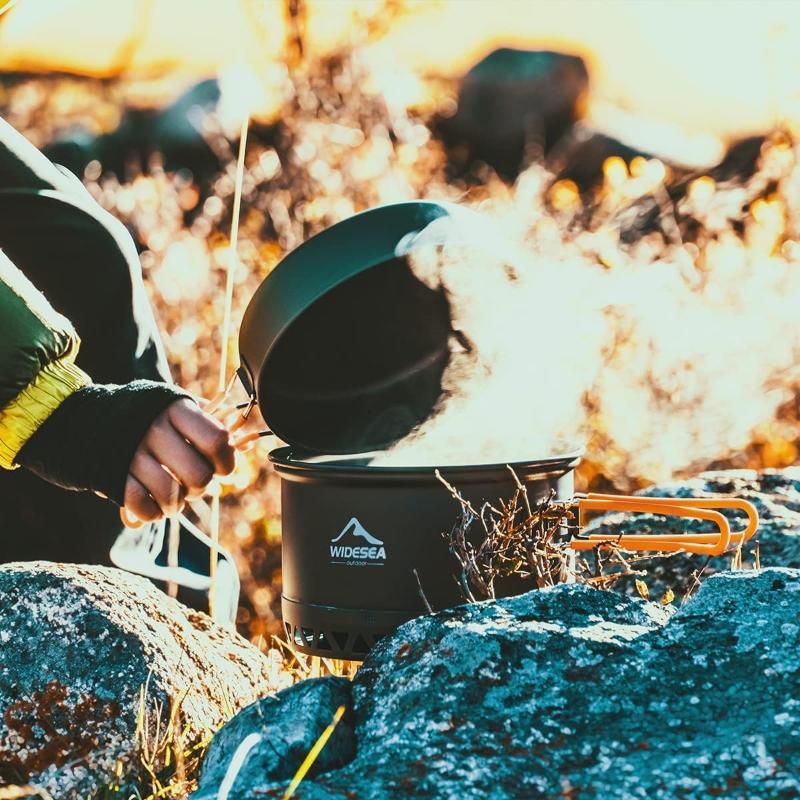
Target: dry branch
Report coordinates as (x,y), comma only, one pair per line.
(531,542)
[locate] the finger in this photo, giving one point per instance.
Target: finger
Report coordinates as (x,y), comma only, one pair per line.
(162,487)
(169,448)
(129,519)
(205,433)
(139,503)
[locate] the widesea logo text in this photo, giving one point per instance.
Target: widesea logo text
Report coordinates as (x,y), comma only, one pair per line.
(355,546)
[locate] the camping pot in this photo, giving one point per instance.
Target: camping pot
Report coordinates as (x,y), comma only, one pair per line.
(363,546)
(343,348)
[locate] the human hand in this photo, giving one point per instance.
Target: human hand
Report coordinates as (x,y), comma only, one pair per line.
(179,455)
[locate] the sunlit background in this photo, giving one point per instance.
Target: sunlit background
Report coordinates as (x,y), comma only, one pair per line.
(712,66)
(348,105)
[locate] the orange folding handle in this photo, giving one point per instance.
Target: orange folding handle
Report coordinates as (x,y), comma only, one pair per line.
(712,544)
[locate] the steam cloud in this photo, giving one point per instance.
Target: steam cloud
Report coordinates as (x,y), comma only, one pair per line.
(657,363)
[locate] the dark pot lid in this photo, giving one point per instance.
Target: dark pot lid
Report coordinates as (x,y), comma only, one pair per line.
(342,345)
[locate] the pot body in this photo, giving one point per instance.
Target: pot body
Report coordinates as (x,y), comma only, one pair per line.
(354,537)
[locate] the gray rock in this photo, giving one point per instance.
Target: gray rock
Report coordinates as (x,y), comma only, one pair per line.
(646,214)
(289,724)
(175,132)
(514,105)
(577,693)
(776,496)
(77,644)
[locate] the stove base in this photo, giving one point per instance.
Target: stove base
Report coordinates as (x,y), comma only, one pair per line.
(331,632)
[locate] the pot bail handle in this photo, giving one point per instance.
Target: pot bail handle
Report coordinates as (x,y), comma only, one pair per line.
(704,508)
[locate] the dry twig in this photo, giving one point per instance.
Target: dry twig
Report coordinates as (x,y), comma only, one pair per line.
(519,539)
(531,542)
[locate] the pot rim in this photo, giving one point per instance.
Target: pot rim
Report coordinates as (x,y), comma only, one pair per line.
(285,460)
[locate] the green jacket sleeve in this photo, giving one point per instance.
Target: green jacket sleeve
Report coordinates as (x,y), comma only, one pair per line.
(38,347)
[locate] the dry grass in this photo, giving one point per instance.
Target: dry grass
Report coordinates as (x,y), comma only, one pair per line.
(529,541)
(169,759)
(519,538)
(23,792)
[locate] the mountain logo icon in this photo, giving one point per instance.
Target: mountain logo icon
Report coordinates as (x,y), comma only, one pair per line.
(358,530)
(371,553)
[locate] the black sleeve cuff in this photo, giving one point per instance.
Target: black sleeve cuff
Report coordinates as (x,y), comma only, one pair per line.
(88,442)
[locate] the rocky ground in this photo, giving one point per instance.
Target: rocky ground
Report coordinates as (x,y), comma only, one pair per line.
(566,692)
(102,675)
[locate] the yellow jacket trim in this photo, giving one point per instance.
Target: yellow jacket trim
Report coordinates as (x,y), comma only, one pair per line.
(23,416)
